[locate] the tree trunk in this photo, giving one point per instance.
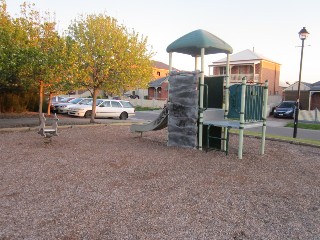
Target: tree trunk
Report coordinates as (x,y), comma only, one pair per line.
(93,114)
(40,98)
(49,104)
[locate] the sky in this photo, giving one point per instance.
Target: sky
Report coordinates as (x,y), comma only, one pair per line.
(269,27)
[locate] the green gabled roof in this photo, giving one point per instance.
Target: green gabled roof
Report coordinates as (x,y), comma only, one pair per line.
(193,42)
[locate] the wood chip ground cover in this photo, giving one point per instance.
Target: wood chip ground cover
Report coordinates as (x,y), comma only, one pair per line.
(107,183)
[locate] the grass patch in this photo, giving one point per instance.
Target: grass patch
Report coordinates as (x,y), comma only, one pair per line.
(139,108)
(312,126)
(289,139)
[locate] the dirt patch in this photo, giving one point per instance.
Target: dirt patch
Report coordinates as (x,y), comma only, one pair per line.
(19,115)
(107,183)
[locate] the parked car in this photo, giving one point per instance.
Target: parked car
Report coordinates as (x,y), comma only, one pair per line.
(285,109)
(57,100)
(64,107)
(134,96)
(105,108)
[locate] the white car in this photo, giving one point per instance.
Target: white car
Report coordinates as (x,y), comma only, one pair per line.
(105,108)
(64,107)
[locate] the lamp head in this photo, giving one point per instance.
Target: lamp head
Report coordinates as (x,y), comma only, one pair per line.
(303,34)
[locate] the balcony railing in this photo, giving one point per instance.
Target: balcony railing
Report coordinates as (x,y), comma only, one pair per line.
(250,77)
(238,77)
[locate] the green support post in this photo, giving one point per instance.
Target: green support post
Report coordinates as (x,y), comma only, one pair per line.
(226,102)
(264,116)
(242,109)
(201,94)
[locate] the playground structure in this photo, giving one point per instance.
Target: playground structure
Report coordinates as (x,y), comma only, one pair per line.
(48,132)
(159,123)
(191,97)
(248,109)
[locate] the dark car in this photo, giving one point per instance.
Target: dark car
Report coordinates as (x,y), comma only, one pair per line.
(134,96)
(285,109)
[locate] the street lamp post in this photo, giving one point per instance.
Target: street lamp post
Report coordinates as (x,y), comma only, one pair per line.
(303,34)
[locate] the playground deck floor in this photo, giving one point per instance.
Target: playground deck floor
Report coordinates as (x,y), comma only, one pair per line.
(104,182)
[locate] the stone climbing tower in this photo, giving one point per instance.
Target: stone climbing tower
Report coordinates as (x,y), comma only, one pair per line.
(183,109)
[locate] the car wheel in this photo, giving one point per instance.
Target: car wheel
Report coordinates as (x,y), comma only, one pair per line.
(123,116)
(88,114)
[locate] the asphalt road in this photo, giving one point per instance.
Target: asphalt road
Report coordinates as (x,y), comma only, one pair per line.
(274,129)
(274,126)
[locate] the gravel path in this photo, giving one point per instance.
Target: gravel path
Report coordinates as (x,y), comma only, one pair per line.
(104,182)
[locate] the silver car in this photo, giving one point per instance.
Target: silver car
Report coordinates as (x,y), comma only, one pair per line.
(64,107)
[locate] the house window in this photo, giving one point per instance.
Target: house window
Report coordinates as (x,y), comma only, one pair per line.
(242,70)
(222,70)
(158,73)
(250,69)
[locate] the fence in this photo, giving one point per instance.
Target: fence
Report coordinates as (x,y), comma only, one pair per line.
(148,103)
(309,116)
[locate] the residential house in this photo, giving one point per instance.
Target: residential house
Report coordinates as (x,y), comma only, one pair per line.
(252,65)
(160,69)
(158,88)
(309,94)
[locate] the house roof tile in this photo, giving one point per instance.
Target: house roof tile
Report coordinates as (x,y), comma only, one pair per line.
(244,56)
(158,82)
(161,65)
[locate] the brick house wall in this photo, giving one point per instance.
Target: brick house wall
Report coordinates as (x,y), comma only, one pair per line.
(271,71)
(304,98)
(315,101)
(161,94)
(160,73)
(258,68)
(164,90)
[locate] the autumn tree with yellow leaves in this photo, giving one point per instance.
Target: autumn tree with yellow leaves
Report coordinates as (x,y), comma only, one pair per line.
(110,57)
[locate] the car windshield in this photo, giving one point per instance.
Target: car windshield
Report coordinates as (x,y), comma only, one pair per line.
(89,102)
(76,100)
(99,101)
(286,105)
(126,104)
(85,101)
(65,100)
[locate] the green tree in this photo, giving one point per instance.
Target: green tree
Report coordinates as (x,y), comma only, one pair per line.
(33,57)
(14,90)
(43,52)
(32,54)
(110,58)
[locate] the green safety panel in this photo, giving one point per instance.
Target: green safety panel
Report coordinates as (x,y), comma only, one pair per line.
(214,143)
(214,99)
(215,92)
(253,106)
